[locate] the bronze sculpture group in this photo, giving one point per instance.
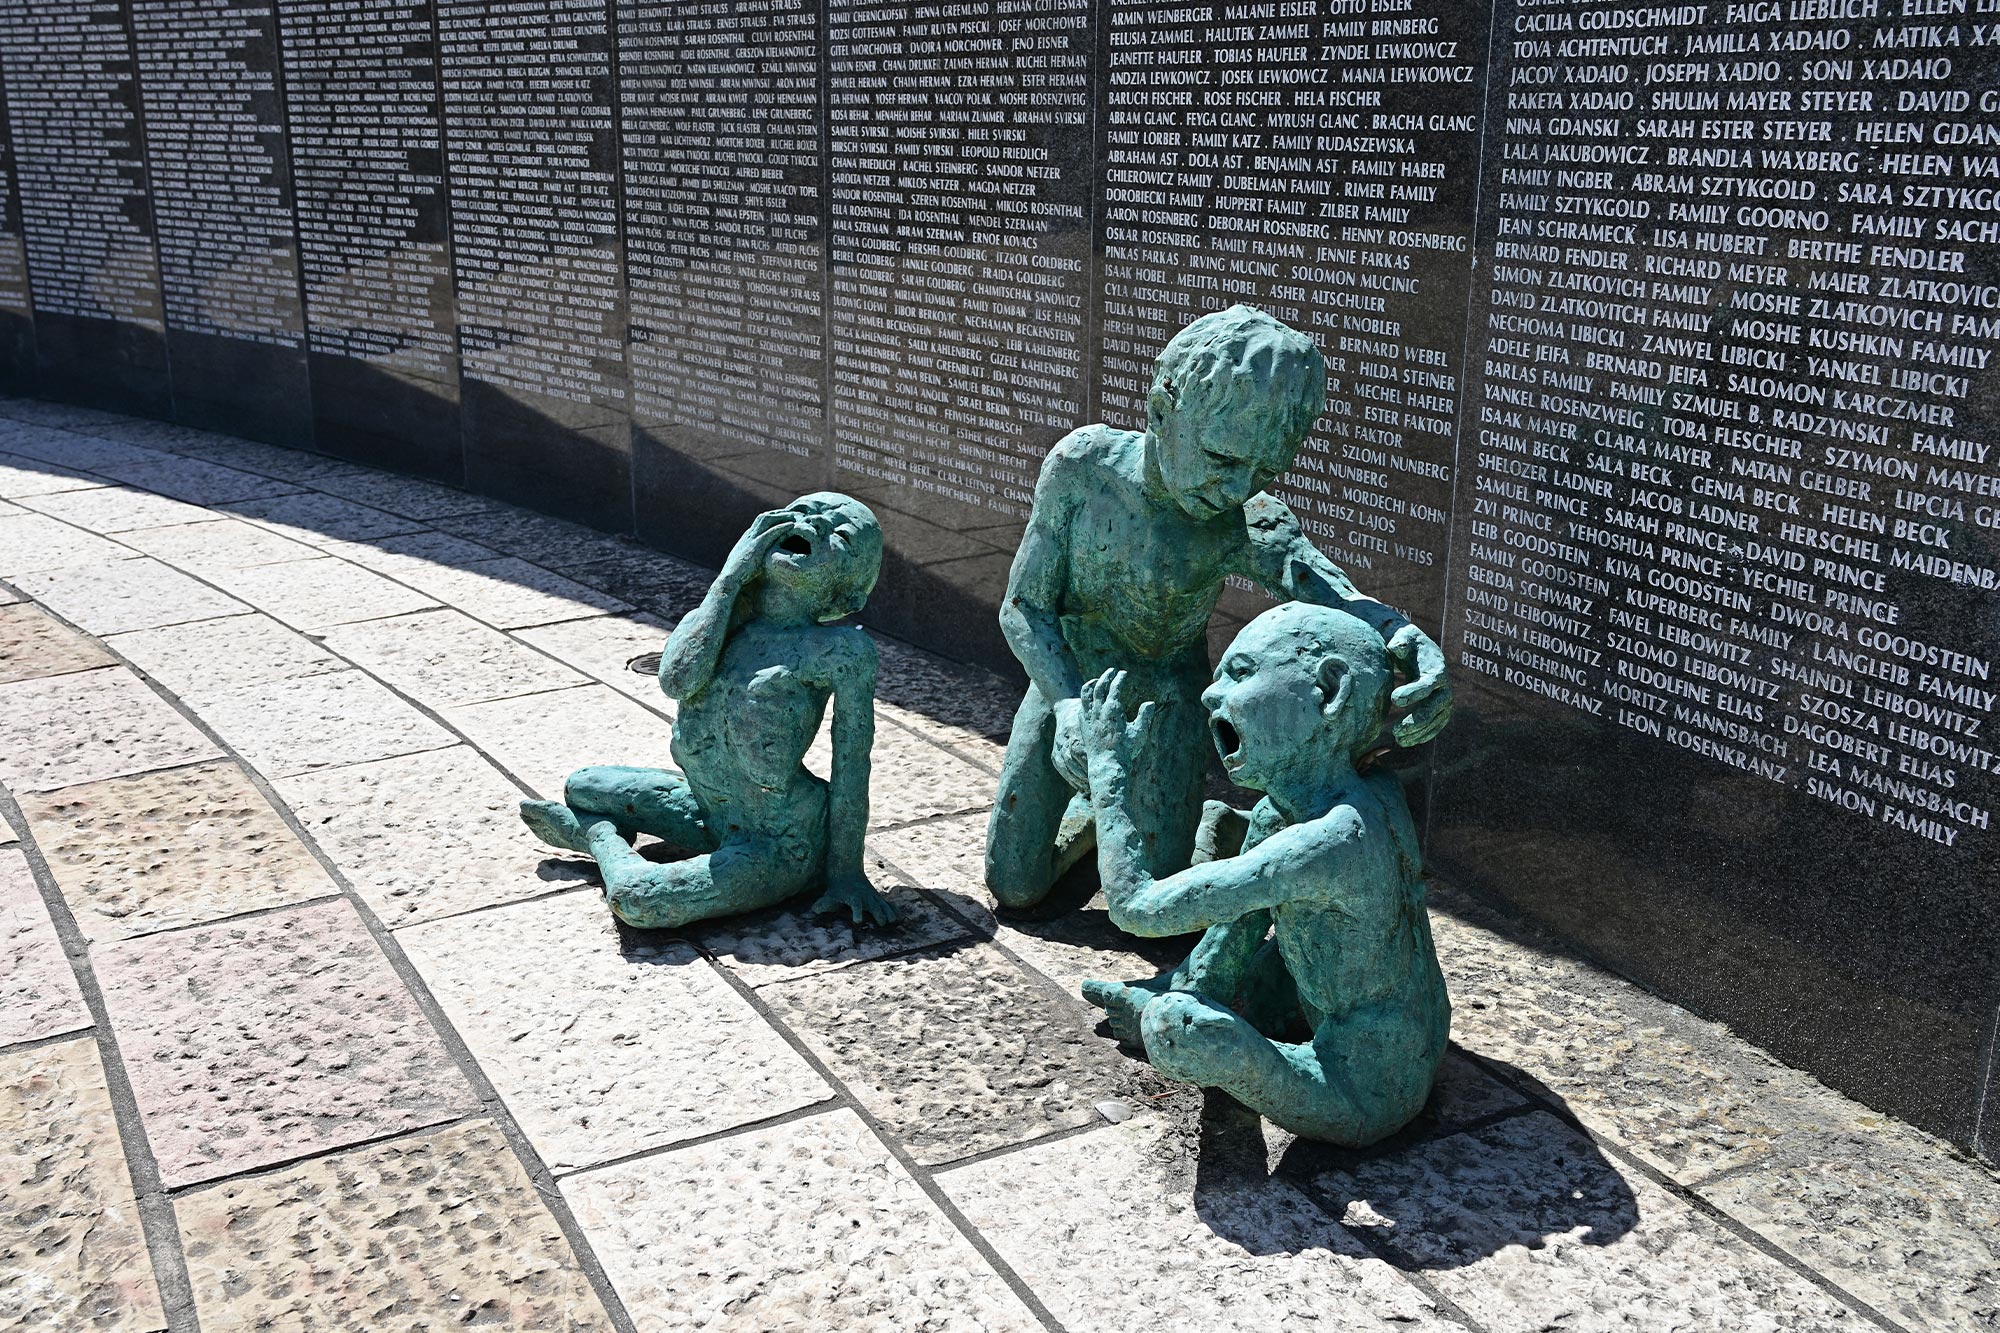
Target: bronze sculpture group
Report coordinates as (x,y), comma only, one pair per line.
(1314,996)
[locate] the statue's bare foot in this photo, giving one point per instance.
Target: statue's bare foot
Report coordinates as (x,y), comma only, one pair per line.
(1124,1003)
(557,825)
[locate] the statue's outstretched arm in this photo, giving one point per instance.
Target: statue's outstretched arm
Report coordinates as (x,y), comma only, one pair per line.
(688,662)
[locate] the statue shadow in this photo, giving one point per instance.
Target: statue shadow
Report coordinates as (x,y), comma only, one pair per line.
(1439,1194)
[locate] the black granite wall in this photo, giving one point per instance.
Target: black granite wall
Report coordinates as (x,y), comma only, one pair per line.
(1659,340)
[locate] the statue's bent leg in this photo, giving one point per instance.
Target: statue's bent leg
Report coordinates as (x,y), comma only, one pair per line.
(743,874)
(1318,1089)
(640,800)
(1021,864)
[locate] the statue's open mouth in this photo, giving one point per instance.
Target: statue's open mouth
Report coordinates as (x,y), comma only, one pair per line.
(1227,742)
(796,543)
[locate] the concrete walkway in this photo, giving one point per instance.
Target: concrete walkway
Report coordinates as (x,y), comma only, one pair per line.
(299,1029)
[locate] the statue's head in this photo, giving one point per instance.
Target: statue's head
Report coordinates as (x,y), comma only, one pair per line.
(831,557)
(1300,682)
(1234,395)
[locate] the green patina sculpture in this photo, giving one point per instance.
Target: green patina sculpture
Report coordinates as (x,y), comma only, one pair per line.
(753,668)
(1131,537)
(1333,1026)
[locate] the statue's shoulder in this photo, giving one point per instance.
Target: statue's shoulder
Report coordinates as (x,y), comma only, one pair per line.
(845,651)
(1090,450)
(1265,515)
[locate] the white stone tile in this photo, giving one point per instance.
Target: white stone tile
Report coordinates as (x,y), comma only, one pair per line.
(38,991)
(602,1048)
(197,481)
(511,593)
(794,941)
(119,596)
(295,725)
(1127,1229)
(601,646)
(34,643)
(810,1225)
(399,556)
(20,476)
(29,542)
(442,658)
(543,738)
(426,835)
(113,509)
(224,543)
(909,777)
(60,730)
(404,495)
(317,519)
(318,594)
(210,657)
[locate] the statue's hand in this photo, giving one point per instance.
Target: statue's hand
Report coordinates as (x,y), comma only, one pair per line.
(1105,730)
(1124,1003)
(765,532)
(1071,760)
(853,894)
(1428,695)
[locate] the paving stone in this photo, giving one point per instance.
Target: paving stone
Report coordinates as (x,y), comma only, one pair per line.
(34,643)
(793,941)
(543,738)
(511,593)
(198,481)
(283,727)
(319,594)
(217,544)
(909,778)
(426,835)
(20,475)
(1885,1211)
(317,519)
(256,1041)
(1527,1227)
(30,542)
(38,992)
(553,543)
(398,557)
(71,1246)
(810,1225)
(8,597)
(957,1051)
(123,595)
(442,658)
(604,1046)
(957,701)
(602,646)
(113,508)
(435,1231)
(154,851)
(79,446)
(1128,1229)
(666,586)
(404,495)
(210,657)
(59,730)
(269,459)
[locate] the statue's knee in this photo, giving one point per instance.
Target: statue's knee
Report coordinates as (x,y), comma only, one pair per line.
(588,786)
(1188,1038)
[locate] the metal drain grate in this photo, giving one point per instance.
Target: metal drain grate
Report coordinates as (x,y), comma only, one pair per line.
(645,664)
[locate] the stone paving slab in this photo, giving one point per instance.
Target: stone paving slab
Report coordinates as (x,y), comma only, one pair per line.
(113,509)
(444,658)
(603,1046)
(38,991)
(268,459)
(59,730)
(427,835)
(910,778)
(31,542)
(287,727)
(217,544)
(661,584)
(543,738)
(810,1225)
(957,1051)
(1526,1226)
(154,851)
(793,941)
(404,495)
(123,595)
(256,1041)
(319,594)
(513,594)
(435,1231)
(72,1254)
(28,476)
(34,643)
(315,519)
(201,660)
(552,543)
(1125,1229)
(602,646)
(88,444)
(198,481)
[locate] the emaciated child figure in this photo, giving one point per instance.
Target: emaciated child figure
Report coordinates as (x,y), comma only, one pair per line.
(753,668)
(1329,859)
(1130,540)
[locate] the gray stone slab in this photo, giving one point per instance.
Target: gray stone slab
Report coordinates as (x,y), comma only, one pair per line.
(511,593)
(427,835)
(34,643)
(601,646)
(216,544)
(604,1046)
(954,700)
(60,730)
(210,657)
(268,459)
(661,584)
(443,658)
(435,1231)
(80,447)
(1129,1229)
(543,738)
(415,551)
(910,778)
(111,509)
(153,851)
(317,519)
(552,543)
(124,595)
(31,476)
(319,594)
(1527,1226)
(257,1041)
(957,1051)
(197,481)
(810,1225)
(31,542)
(38,991)
(403,495)
(71,1245)
(285,727)
(794,941)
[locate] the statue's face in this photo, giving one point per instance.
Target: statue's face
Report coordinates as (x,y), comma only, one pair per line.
(834,550)
(1264,708)
(1215,459)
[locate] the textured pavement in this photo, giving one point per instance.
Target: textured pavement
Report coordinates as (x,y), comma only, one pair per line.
(300,1030)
